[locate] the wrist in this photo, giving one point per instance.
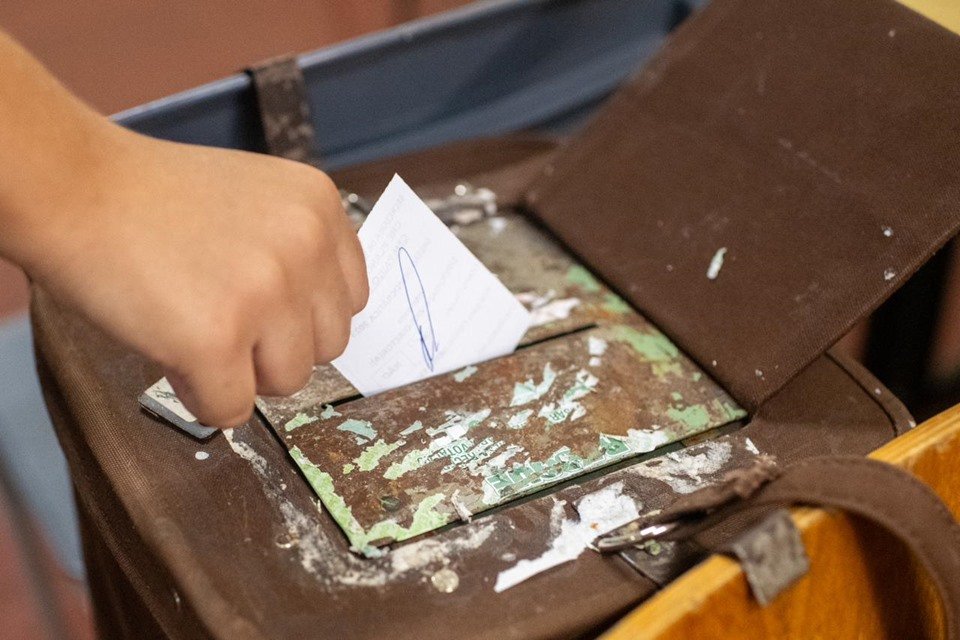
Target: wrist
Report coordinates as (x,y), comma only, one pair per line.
(64,191)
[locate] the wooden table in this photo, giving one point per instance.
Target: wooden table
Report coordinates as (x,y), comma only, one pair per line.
(862,584)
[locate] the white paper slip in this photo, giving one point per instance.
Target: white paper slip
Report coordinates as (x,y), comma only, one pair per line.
(433,306)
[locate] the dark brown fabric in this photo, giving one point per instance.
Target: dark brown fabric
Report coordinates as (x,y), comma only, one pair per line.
(284,111)
(207,530)
(793,134)
(210,530)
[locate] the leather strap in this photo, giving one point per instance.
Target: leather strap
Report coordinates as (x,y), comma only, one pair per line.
(284,111)
(879,492)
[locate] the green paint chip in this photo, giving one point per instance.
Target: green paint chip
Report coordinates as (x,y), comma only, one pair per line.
(464,373)
(615,304)
(579,276)
(298,421)
(653,347)
(370,457)
(360,428)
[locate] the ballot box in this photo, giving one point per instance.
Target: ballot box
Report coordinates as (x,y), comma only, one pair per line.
(689,249)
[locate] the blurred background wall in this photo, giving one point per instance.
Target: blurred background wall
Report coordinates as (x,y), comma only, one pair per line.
(116,54)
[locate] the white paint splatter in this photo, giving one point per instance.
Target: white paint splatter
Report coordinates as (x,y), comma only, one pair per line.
(887,231)
(600,512)
(569,405)
(433,551)
(752,448)
(889,274)
(645,440)
(716,263)
(526,392)
(463,511)
(544,309)
(519,420)
(201,455)
(684,470)
(330,564)
(497,224)
(464,373)
(553,311)
(500,461)
(596,346)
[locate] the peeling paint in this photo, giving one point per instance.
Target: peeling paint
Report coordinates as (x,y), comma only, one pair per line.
(579,276)
(425,517)
(498,462)
(654,347)
(615,304)
(362,429)
(599,512)
(413,428)
(568,406)
(370,457)
(553,311)
(519,420)
(298,421)
(646,440)
(596,346)
(716,263)
(527,392)
(449,444)
(497,225)
(464,373)
(685,470)
(460,507)
(329,412)
(694,416)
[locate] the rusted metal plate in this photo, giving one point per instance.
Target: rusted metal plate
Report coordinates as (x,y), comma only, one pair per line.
(414,459)
(561,294)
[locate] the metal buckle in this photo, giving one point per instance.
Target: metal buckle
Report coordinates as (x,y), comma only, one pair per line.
(631,535)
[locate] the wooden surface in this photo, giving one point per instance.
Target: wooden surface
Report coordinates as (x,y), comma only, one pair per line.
(862,583)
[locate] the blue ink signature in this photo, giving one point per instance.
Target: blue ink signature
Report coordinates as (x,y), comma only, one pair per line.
(428,343)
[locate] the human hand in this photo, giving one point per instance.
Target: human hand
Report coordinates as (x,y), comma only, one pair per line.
(235,271)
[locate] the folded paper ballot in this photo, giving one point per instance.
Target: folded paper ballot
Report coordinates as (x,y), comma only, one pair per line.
(433,306)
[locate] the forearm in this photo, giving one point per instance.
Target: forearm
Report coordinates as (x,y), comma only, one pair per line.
(51,149)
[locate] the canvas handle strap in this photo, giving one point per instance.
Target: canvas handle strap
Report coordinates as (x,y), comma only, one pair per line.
(284,110)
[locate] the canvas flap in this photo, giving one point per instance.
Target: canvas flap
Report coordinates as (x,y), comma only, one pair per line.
(813,146)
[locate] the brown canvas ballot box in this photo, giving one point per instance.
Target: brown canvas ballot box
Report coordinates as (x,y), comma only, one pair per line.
(810,145)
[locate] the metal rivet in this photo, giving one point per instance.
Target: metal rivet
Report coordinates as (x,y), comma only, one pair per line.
(445,581)
(653,547)
(285,540)
(389,503)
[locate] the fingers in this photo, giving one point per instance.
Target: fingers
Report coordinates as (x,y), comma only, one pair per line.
(219,394)
(347,250)
(332,306)
(354,268)
(284,355)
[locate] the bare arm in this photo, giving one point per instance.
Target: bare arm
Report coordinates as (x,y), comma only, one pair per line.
(235,271)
